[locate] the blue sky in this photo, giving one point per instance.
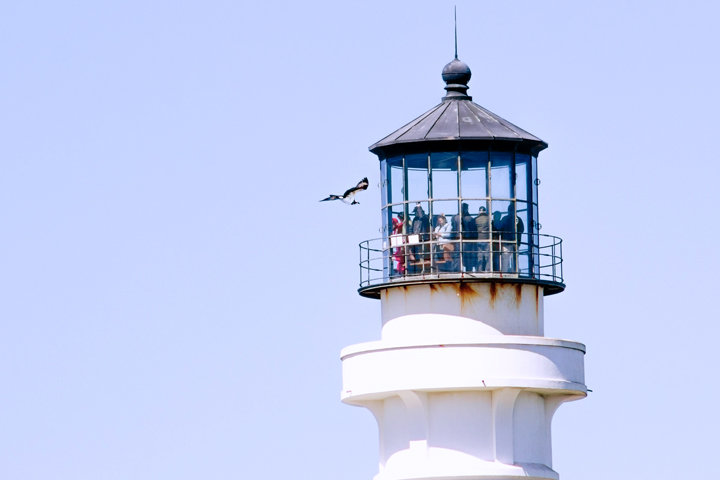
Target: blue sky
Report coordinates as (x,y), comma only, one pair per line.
(174,298)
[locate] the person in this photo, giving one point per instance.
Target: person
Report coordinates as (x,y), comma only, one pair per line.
(398,253)
(468,229)
(442,235)
(420,230)
(511,229)
(496,246)
(398,223)
(482,222)
(455,228)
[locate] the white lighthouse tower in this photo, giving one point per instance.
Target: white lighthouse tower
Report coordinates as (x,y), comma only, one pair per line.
(463,383)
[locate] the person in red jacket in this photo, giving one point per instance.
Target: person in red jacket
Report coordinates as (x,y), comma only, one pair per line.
(399,253)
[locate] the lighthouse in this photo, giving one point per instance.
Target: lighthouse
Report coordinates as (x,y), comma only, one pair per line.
(463,383)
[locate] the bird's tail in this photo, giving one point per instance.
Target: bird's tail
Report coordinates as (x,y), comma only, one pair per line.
(331,197)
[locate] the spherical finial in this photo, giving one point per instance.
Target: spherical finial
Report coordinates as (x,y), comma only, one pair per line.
(456,75)
(456,72)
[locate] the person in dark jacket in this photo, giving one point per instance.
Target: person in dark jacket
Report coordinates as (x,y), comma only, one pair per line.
(510,229)
(468,231)
(420,232)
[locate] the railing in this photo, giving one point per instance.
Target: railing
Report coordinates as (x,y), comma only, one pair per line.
(415,258)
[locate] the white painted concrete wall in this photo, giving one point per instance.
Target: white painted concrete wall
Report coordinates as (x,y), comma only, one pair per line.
(467,309)
(462,383)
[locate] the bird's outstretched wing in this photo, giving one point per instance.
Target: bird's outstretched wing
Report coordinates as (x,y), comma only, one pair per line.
(331,197)
(363,185)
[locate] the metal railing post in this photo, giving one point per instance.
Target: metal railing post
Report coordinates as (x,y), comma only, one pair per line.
(360,264)
(561,261)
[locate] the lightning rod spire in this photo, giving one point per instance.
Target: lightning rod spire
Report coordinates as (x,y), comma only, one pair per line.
(455,31)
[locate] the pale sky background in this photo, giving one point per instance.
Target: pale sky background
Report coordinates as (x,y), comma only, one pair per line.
(173,298)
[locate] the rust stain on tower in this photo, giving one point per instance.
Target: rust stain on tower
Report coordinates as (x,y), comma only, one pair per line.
(466,292)
(493,294)
(518,294)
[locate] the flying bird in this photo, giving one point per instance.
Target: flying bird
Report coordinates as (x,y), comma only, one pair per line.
(349,196)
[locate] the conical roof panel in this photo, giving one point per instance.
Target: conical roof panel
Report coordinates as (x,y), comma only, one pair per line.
(458,120)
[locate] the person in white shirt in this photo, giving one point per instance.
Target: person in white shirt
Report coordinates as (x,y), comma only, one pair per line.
(442,236)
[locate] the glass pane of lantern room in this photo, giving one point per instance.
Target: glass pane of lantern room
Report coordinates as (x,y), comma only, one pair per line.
(396,185)
(522,176)
(523,227)
(383,182)
(446,237)
(396,247)
(501,211)
(534,182)
(448,209)
(473,176)
(523,191)
(444,175)
(535,258)
(500,175)
(397,219)
(523,220)
(418,258)
(416,167)
(419,220)
(505,227)
(479,209)
(386,224)
(386,230)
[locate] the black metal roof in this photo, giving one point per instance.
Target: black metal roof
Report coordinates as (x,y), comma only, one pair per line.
(458,118)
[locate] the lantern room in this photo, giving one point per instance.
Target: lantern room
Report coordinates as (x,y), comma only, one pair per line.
(459,200)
